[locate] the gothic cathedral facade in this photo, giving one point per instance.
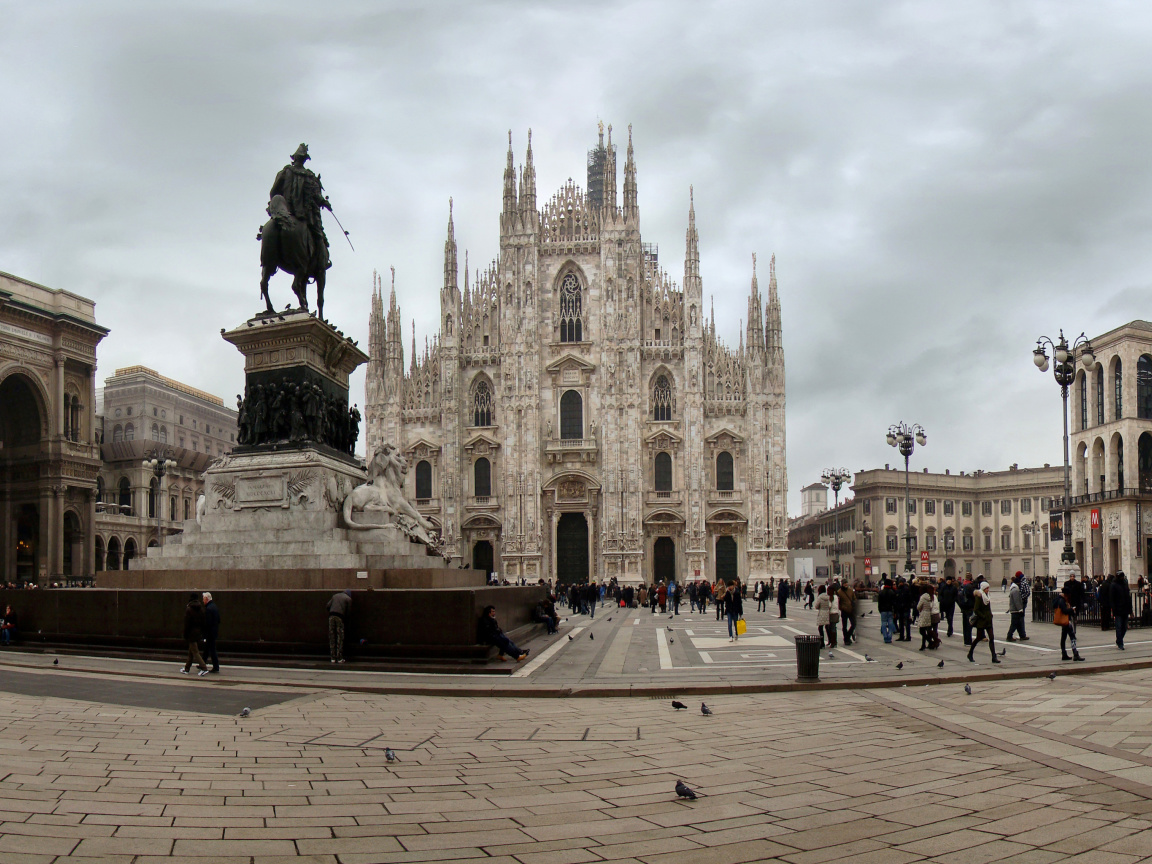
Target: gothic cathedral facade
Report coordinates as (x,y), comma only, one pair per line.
(576,418)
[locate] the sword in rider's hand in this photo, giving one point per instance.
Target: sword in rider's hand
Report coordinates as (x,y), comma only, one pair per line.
(328,205)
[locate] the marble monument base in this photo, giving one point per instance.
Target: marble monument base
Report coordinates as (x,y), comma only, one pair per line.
(274,521)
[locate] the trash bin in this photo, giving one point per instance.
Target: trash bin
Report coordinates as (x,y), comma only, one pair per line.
(807,658)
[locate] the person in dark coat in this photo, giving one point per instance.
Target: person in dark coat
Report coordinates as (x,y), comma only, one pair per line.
(1121,606)
(211,631)
(782,598)
(9,624)
(488,632)
(1104,598)
(193,633)
(902,607)
(946,597)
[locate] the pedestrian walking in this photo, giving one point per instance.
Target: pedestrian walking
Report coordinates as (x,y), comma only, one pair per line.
(1121,606)
(886,606)
(1064,616)
(735,610)
(946,597)
(339,608)
(211,631)
(193,632)
(924,617)
(1016,609)
(823,608)
(847,598)
(782,598)
(982,621)
(966,601)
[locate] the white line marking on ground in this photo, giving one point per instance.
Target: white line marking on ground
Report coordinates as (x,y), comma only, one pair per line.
(635,621)
(545,655)
(859,657)
(662,650)
(1032,647)
(794,630)
(705,656)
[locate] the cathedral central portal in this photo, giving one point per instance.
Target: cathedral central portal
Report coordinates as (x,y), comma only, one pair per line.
(575,412)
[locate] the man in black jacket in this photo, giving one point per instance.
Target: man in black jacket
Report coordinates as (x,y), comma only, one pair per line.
(946,596)
(1121,606)
(193,631)
(967,602)
(1074,590)
(211,631)
(885,604)
(488,632)
(903,609)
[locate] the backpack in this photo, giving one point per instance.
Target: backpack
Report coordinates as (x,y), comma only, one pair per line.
(968,596)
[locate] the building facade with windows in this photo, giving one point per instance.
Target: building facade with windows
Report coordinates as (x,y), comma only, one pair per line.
(49,457)
(576,417)
(1111,446)
(985,522)
(142,413)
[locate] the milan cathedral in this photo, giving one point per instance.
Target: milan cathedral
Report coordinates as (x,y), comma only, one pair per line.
(576,417)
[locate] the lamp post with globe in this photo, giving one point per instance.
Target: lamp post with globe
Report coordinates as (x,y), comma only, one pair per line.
(160,463)
(1064,371)
(905,438)
(835,478)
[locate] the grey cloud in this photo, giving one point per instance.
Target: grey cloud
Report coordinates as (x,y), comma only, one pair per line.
(941,183)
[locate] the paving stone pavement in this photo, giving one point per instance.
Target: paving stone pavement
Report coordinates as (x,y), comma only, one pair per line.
(1032,770)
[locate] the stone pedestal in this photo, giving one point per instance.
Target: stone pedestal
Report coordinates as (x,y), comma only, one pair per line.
(271,513)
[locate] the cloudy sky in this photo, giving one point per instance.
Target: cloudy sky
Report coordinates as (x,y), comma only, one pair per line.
(941,183)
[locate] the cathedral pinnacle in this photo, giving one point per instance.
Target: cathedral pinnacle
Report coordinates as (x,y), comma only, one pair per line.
(631,210)
(450,268)
(509,181)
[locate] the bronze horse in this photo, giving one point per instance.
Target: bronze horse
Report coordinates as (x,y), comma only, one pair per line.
(287,244)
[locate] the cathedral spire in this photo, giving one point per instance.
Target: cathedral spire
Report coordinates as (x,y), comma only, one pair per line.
(509,181)
(755,319)
(631,210)
(528,182)
(413,344)
(450,268)
(775,342)
(691,245)
(610,176)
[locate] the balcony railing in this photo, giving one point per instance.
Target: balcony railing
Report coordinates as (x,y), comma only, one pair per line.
(1144,491)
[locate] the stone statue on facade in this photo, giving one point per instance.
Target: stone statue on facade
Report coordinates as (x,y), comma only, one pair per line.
(383,494)
(293,239)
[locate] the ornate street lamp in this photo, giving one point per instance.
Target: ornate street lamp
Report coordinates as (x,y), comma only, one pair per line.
(160,463)
(835,478)
(1064,371)
(905,437)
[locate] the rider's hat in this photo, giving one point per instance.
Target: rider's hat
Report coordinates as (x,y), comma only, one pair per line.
(302,150)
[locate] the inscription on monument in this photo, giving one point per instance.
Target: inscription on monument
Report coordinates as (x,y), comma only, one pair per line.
(261,492)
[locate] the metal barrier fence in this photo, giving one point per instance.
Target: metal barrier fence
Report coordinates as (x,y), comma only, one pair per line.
(1042,604)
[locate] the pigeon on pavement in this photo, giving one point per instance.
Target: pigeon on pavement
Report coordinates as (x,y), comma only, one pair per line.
(390,755)
(1051,676)
(609,618)
(684,792)
(56,662)
(829,656)
(869,659)
(1003,651)
(900,665)
(592,636)
(244,712)
(705,710)
(678,705)
(570,637)
(968,689)
(940,665)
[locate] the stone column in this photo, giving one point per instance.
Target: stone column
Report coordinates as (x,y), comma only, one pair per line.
(89,568)
(58,387)
(92,406)
(554,520)
(44,541)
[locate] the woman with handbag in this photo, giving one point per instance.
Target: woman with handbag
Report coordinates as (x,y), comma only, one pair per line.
(822,605)
(924,617)
(735,611)
(982,621)
(1062,616)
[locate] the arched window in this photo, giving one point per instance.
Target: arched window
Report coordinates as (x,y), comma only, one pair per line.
(163,434)
(1144,387)
(100,489)
(118,434)
(155,432)
(1082,380)
(125,501)
(1118,388)
(663,472)
(662,399)
(173,512)
(129,433)
(1099,395)
(152,499)
(571,325)
(724,471)
(571,416)
(1145,454)
(482,404)
(482,477)
(423,479)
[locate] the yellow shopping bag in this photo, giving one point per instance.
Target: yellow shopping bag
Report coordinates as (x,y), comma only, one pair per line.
(741,627)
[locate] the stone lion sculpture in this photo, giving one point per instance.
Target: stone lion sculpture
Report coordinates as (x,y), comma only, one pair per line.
(384,492)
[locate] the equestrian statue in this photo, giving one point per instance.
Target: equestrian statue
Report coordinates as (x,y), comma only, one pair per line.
(293,239)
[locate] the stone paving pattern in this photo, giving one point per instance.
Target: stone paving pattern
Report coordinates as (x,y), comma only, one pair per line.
(1032,770)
